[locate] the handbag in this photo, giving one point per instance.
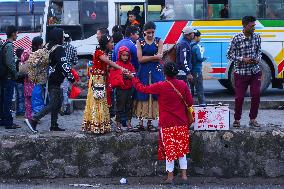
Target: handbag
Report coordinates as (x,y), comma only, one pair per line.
(189,109)
(99,90)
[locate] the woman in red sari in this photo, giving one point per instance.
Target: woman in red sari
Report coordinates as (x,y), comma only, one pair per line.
(173,120)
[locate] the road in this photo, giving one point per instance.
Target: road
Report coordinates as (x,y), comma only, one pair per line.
(145,183)
(214,90)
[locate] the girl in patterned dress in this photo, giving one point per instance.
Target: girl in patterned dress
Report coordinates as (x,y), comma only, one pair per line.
(173,140)
(96,115)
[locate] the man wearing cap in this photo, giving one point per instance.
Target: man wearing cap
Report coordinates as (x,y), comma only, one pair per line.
(183,55)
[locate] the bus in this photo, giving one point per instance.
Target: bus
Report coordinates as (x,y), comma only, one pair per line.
(81,19)
(28,19)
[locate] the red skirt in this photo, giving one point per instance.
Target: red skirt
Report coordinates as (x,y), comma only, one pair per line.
(173,142)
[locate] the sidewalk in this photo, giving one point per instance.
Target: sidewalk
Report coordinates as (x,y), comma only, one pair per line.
(268,118)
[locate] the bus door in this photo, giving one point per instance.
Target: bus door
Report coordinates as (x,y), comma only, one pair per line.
(122,9)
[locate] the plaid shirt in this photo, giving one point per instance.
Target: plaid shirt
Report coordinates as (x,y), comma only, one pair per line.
(245,47)
(71,53)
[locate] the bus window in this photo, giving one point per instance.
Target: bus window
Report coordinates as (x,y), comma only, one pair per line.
(70,13)
(38,22)
(217,9)
(55,12)
(155,10)
(93,15)
(25,23)
(274,9)
(241,8)
(6,21)
(8,8)
(184,9)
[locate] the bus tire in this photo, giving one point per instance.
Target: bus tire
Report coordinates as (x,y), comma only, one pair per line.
(265,77)
(225,83)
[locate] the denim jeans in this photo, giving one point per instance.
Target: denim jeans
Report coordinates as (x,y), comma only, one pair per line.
(6,95)
(20,98)
(198,85)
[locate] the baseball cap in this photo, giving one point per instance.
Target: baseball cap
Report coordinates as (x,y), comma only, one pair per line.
(187,30)
(197,33)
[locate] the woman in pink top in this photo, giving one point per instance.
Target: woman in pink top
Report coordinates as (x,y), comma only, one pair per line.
(173,120)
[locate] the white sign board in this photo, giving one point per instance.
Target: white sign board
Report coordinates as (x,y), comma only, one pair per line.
(212,117)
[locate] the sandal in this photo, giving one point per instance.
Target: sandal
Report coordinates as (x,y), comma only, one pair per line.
(118,128)
(138,128)
(237,124)
(254,123)
(151,128)
(129,126)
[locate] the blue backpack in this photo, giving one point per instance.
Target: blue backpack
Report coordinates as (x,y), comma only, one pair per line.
(37,99)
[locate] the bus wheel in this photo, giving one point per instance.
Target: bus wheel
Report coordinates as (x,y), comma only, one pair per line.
(225,83)
(265,77)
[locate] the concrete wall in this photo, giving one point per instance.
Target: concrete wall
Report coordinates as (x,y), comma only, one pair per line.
(222,154)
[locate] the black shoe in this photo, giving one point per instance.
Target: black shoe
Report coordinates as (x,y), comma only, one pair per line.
(32,125)
(56,129)
(14,126)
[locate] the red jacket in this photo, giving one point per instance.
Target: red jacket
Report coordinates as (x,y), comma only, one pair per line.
(172,110)
(127,65)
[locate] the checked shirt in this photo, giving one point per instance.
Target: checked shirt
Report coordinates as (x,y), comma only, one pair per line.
(245,47)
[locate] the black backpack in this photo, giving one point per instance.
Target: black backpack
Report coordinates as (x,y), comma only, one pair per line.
(3,66)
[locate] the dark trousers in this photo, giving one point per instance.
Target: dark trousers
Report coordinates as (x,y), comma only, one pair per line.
(53,107)
(197,84)
(20,98)
(6,95)
(241,84)
(124,104)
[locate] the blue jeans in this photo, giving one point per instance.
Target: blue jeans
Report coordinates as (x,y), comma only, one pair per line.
(7,90)
(198,85)
(20,98)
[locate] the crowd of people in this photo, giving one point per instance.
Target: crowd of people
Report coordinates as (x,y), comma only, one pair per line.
(130,80)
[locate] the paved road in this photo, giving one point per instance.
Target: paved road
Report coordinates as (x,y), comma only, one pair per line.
(146,183)
(214,90)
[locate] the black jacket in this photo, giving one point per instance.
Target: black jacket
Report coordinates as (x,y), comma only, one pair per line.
(59,68)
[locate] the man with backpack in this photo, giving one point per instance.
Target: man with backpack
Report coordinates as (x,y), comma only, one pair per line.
(59,68)
(8,75)
(183,55)
(197,58)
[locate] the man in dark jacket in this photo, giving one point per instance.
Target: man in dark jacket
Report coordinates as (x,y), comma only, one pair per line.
(7,81)
(183,56)
(59,68)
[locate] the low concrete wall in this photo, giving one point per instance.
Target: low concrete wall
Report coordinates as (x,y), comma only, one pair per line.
(236,153)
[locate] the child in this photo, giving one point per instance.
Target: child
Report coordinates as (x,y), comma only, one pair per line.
(124,93)
(197,58)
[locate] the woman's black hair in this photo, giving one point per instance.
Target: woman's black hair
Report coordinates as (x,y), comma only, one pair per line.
(117,36)
(149,25)
(36,42)
(105,39)
(170,69)
(19,52)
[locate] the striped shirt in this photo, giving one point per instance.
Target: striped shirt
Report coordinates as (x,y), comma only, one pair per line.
(245,47)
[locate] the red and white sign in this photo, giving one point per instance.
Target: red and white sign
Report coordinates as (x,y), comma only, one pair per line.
(212,117)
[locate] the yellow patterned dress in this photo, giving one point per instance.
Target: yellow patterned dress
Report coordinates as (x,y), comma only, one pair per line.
(96,114)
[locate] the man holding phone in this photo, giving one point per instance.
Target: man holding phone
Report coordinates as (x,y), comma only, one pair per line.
(245,54)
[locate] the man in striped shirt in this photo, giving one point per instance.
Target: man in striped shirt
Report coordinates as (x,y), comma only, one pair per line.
(245,53)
